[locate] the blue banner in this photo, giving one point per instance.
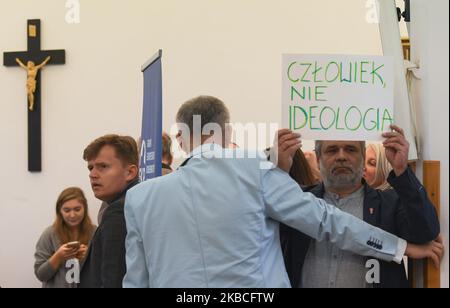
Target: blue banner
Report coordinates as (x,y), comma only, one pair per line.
(151,135)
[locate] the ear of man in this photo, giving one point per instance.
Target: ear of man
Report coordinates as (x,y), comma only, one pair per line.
(132,171)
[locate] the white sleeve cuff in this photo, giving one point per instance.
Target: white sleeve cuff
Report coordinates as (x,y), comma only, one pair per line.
(401,249)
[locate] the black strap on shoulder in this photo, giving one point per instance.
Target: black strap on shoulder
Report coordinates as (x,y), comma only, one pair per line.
(185,162)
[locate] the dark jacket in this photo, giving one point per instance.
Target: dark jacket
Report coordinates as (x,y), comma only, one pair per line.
(105,264)
(404,211)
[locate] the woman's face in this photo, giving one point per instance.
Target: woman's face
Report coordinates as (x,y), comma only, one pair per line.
(73,213)
(370,168)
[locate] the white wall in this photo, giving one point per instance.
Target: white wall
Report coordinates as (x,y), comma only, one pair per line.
(228,48)
(430,46)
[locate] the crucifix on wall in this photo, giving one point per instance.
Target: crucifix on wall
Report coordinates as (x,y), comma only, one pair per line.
(33,61)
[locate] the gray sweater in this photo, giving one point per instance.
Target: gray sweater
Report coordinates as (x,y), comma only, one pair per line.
(46,247)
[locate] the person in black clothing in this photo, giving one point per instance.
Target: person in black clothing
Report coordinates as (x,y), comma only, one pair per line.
(404,211)
(113,166)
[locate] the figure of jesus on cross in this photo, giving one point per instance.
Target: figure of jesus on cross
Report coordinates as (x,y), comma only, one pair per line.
(33,60)
(32,70)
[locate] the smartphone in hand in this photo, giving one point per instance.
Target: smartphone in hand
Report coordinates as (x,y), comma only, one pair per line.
(74,245)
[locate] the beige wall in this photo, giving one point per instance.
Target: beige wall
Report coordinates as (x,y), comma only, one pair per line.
(430,47)
(228,48)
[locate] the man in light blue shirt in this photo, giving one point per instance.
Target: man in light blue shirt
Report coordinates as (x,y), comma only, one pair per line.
(215,221)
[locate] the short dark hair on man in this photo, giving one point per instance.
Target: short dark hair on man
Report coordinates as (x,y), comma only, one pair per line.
(125,147)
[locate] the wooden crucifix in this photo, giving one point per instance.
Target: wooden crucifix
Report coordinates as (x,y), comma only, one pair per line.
(33,60)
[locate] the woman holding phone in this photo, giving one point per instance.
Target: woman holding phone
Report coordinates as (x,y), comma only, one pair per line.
(64,244)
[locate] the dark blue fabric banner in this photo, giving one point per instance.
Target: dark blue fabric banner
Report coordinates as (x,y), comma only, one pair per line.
(151,135)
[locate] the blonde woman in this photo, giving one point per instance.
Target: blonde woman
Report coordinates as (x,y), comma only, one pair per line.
(377,167)
(66,240)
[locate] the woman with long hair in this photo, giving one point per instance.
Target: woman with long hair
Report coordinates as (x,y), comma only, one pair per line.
(64,244)
(377,167)
(301,170)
